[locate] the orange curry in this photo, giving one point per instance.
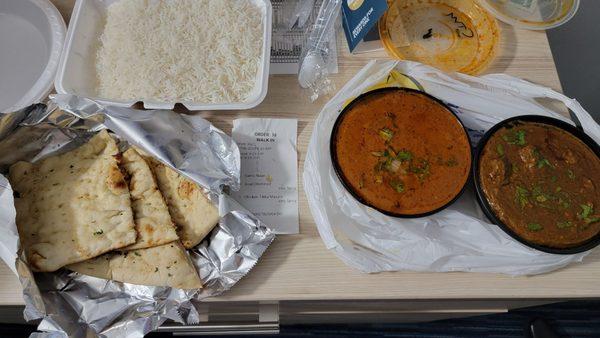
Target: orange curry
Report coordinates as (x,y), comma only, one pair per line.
(402,152)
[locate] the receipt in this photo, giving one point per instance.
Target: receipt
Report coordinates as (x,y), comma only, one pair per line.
(269,171)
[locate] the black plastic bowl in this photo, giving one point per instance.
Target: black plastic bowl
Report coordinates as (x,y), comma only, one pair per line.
(343,179)
(482,199)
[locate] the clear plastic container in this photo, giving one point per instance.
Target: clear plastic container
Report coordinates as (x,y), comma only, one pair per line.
(452,35)
(532,14)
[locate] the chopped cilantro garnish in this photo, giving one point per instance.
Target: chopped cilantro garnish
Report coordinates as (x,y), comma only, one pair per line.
(516,138)
(564,224)
(586,214)
(404,155)
(386,134)
(521,138)
(98,232)
(500,149)
(421,170)
(534,227)
(544,163)
(586,210)
(397,185)
(521,195)
(539,195)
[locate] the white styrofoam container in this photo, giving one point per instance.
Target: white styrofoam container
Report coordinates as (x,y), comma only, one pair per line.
(77,74)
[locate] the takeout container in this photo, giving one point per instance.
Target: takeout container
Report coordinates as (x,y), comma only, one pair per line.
(343,179)
(483,202)
(77,75)
(534,15)
(32,34)
(452,35)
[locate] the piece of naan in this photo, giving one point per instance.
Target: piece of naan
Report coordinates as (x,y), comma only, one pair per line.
(164,265)
(193,213)
(74,206)
(150,213)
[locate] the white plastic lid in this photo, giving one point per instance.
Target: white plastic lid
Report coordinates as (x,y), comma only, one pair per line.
(32,33)
(532,14)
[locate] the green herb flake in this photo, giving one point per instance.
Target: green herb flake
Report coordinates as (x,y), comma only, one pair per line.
(404,155)
(521,195)
(553,179)
(586,210)
(398,186)
(516,138)
(571,174)
(534,227)
(500,149)
(544,163)
(520,139)
(564,224)
(155,269)
(591,220)
(98,232)
(558,189)
(137,253)
(386,134)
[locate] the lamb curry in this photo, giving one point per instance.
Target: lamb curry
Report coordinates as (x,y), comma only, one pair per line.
(542,183)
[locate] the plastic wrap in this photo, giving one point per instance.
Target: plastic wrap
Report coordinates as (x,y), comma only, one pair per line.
(458,238)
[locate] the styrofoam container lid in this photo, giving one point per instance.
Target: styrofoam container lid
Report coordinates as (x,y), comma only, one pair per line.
(32,33)
(532,14)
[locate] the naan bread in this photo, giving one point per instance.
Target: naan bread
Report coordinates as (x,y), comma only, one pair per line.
(73,206)
(151,215)
(193,213)
(165,265)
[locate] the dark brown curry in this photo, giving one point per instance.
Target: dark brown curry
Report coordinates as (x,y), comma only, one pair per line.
(542,182)
(402,152)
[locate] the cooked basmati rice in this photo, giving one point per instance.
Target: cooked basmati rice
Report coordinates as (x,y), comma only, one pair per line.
(205,51)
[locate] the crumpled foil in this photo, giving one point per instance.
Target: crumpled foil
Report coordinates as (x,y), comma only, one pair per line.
(74,305)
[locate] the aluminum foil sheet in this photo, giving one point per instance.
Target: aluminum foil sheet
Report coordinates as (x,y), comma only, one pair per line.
(74,305)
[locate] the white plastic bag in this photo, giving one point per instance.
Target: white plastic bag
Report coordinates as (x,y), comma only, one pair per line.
(458,238)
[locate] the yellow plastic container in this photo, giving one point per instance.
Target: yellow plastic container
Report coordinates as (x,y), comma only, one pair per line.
(452,35)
